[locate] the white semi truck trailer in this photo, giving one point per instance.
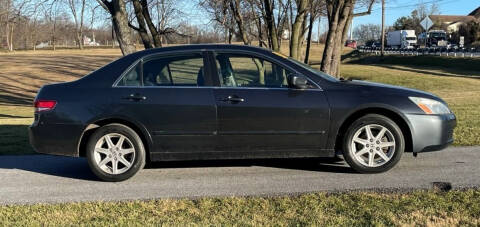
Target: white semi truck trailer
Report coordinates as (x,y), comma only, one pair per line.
(402,39)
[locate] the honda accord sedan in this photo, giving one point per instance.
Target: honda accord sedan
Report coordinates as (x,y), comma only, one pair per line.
(201,102)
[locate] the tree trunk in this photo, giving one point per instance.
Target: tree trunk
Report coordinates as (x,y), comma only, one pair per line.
(153,30)
(10,48)
(79,40)
(235,7)
(80,29)
(297,29)
(301,38)
(34,35)
(309,38)
(53,34)
(142,28)
(117,10)
(230,36)
(113,37)
(272,30)
(339,14)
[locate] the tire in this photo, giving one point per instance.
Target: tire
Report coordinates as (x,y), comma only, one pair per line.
(111,161)
(359,145)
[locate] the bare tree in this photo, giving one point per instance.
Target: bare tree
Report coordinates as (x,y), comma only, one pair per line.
(317,9)
(366,32)
(118,12)
(142,27)
(218,10)
(78,18)
(340,14)
(235,7)
(12,12)
(275,16)
(147,29)
(298,28)
(51,14)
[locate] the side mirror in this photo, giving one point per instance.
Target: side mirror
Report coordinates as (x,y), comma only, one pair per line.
(297,82)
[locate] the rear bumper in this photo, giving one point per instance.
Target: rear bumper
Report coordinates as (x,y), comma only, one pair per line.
(55,139)
(431,132)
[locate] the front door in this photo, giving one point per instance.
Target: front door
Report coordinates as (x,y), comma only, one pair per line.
(257,111)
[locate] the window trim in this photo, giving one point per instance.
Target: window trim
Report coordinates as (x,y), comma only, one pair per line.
(166,54)
(211,69)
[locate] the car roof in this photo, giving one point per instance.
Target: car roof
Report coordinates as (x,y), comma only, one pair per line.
(204,47)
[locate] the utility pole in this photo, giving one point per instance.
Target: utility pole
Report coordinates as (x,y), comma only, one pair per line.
(383,28)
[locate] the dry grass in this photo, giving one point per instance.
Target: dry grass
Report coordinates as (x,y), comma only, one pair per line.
(23,73)
(422,208)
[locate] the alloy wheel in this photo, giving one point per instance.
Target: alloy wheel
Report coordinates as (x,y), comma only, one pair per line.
(373,145)
(114,153)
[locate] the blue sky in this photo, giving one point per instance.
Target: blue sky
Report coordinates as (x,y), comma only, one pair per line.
(399,8)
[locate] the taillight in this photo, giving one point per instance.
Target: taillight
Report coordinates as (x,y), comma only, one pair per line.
(44,105)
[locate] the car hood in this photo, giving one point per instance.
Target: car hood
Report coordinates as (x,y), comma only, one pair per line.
(391,89)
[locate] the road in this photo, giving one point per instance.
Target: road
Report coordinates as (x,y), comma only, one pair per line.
(51,179)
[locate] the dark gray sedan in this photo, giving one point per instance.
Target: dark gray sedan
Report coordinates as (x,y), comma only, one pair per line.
(201,102)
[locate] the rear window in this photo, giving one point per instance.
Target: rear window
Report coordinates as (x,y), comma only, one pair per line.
(132,78)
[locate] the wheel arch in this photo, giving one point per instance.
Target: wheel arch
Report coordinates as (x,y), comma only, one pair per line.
(400,120)
(93,126)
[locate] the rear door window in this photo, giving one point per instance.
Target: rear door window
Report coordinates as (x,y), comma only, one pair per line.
(185,70)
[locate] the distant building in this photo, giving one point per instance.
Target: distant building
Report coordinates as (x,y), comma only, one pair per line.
(453,22)
(90,42)
(286,34)
(42,45)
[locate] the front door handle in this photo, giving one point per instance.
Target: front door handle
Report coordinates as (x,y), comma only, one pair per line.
(135,97)
(233,99)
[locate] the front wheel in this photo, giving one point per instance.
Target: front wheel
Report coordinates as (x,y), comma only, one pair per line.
(115,152)
(373,144)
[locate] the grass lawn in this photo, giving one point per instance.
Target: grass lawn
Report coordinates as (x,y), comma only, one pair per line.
(456,80)
(423,208)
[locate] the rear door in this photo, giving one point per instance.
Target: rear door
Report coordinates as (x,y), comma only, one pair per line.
(171,95)
(257,111)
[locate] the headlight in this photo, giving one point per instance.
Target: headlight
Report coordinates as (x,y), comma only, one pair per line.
(430,106)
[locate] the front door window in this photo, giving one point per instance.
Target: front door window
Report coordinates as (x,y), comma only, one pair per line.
(239,70)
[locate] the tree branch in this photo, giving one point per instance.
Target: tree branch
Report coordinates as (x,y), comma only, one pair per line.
(368,12)
(105,4)
(133,26)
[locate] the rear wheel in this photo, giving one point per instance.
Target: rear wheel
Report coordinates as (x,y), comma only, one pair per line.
(373,144)
(115,152)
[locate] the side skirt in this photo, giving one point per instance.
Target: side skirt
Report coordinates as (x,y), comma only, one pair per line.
(215,155)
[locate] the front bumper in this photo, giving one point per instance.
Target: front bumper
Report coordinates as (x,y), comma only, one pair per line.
(431,132)
(56,139)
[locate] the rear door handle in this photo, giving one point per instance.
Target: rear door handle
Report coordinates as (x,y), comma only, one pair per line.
(233,98)
(135,97)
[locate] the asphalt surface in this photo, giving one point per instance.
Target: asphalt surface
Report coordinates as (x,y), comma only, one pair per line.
(51,179)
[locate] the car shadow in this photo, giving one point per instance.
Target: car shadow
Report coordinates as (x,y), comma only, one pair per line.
(77,168)
(335,165)
(68,167)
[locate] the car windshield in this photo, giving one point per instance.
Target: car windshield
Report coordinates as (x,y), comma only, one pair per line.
(314,71)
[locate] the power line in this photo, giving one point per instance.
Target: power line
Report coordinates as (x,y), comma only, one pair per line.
(439,2)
